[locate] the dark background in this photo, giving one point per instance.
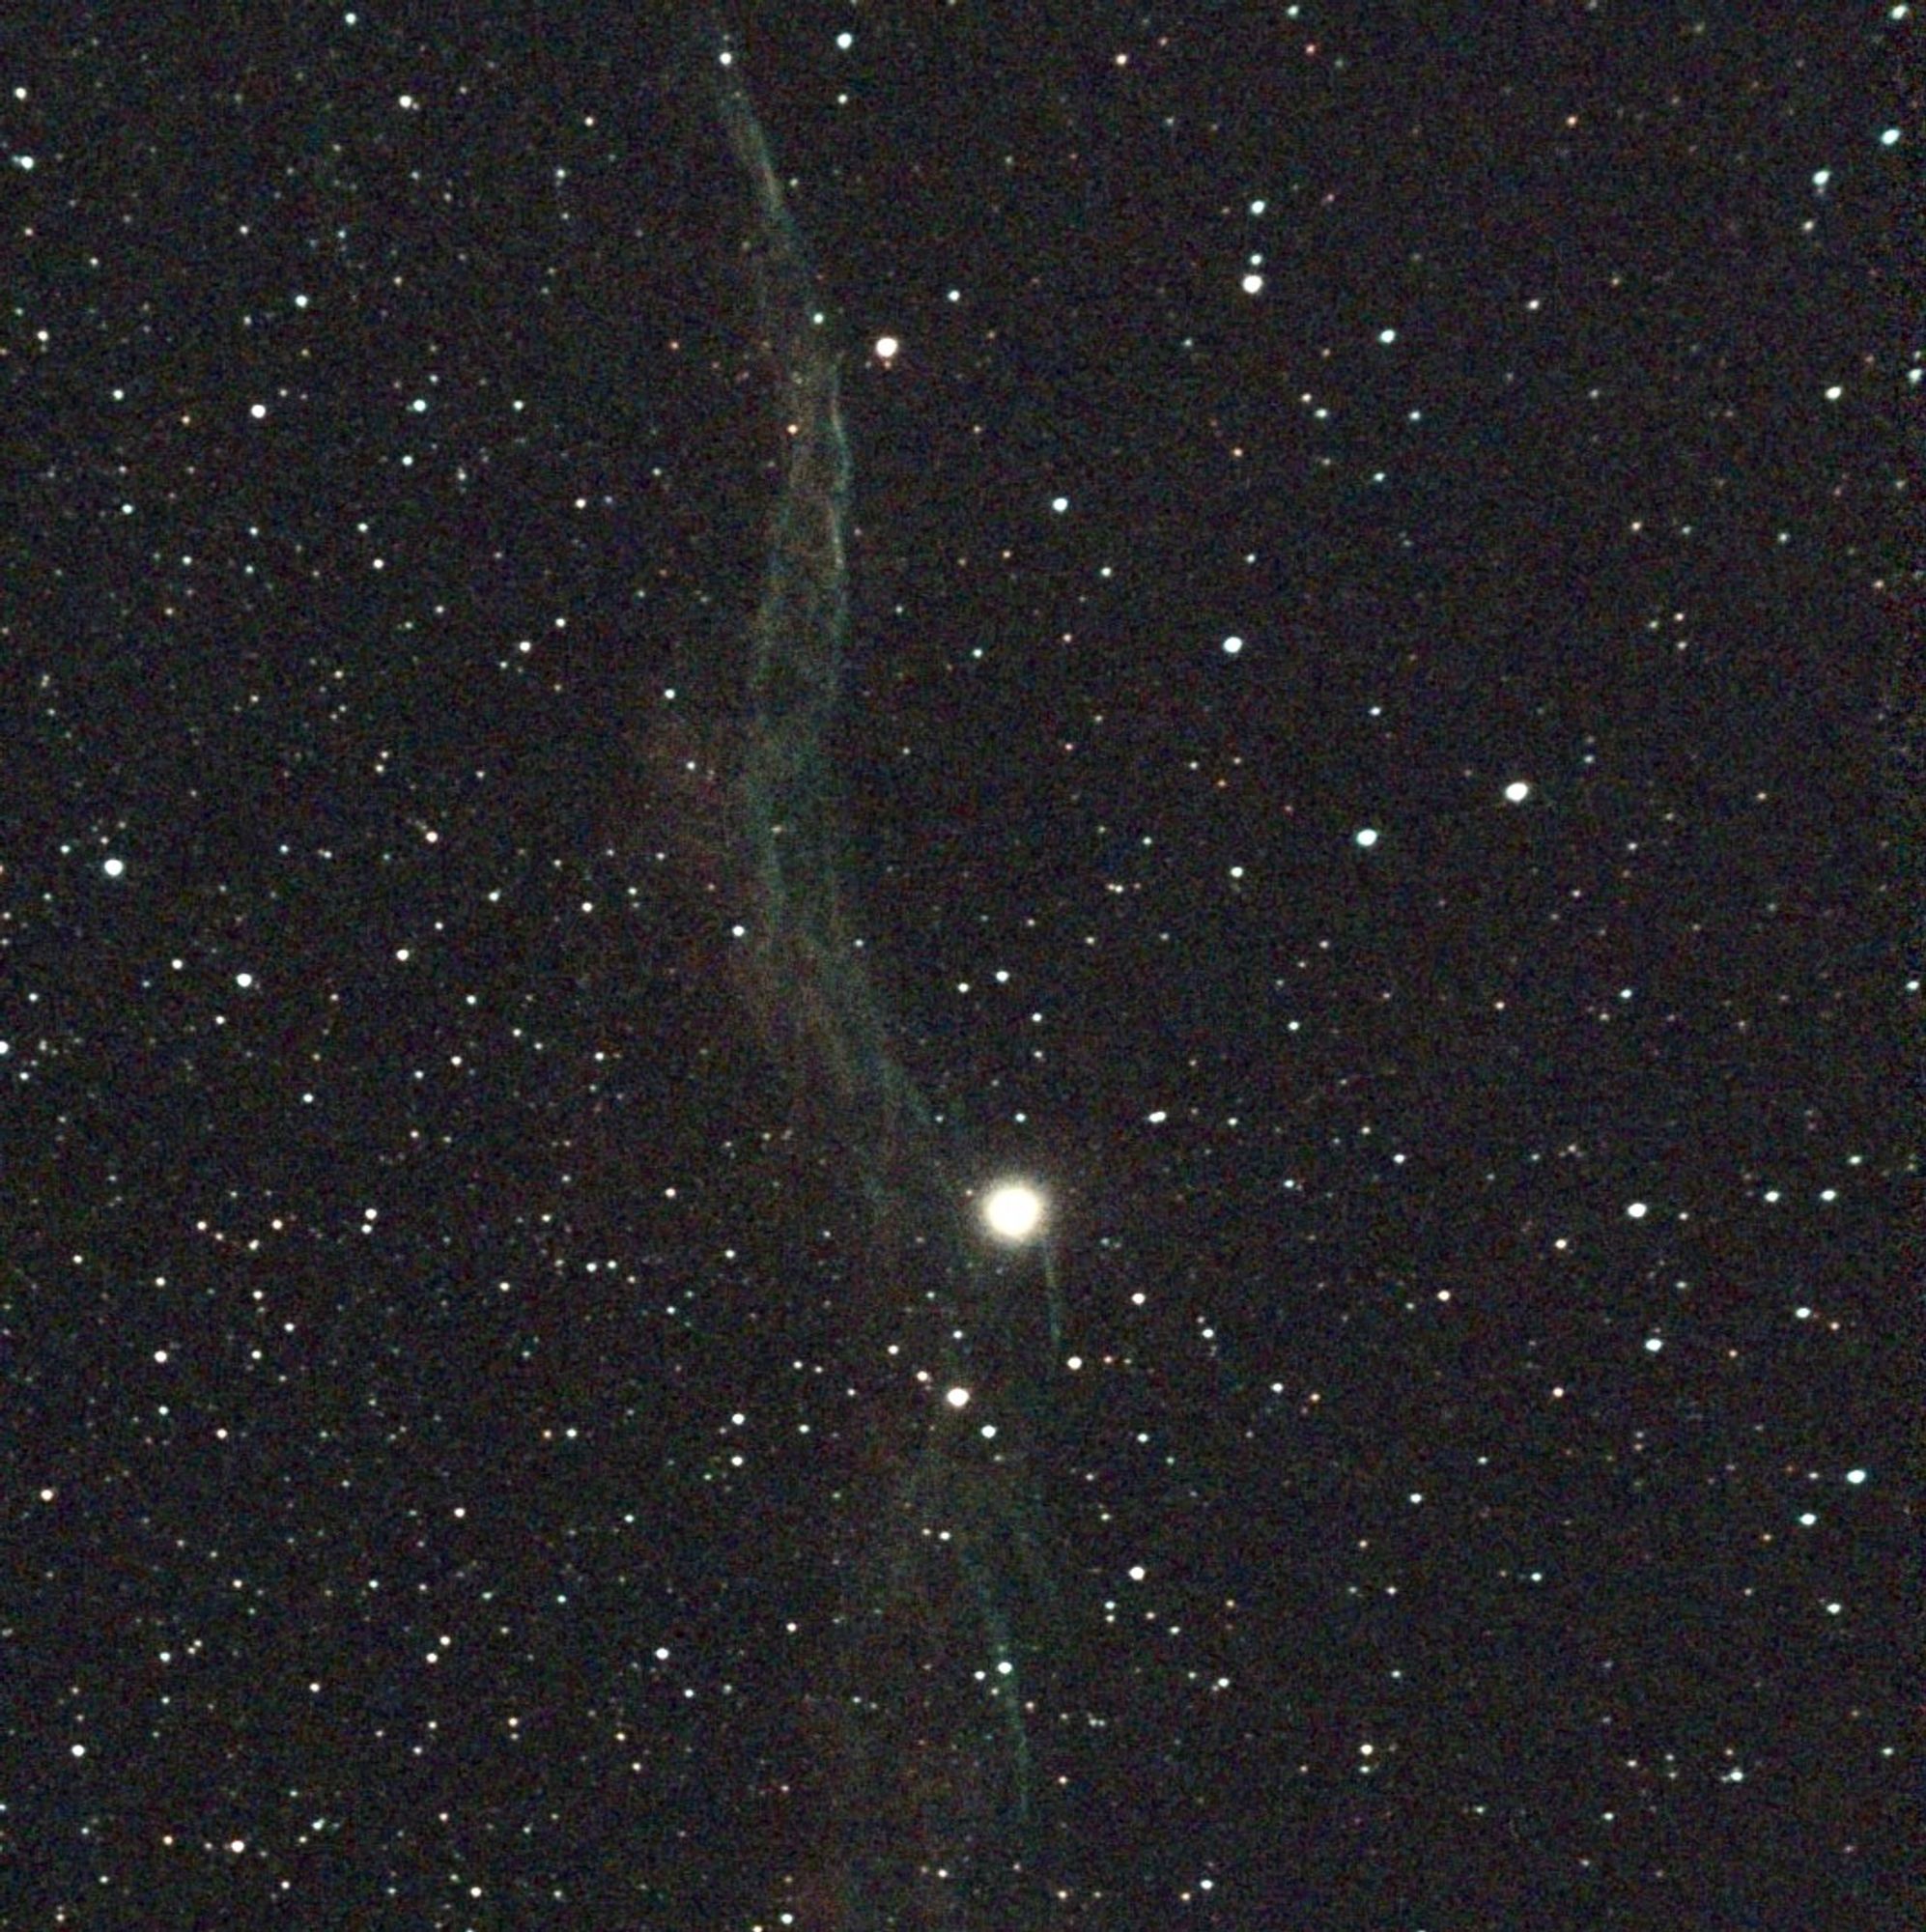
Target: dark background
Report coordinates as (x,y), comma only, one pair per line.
(412,1310)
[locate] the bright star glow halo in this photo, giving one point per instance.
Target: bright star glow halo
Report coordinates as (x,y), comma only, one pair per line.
(1014,1211)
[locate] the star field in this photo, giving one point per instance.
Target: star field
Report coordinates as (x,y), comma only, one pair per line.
(1375,769)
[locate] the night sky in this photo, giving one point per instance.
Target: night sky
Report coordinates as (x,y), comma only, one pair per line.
(1375,763)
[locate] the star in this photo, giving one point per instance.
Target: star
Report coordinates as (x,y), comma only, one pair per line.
(1014,1211)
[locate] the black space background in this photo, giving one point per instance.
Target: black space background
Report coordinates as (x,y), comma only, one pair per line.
(395,1206)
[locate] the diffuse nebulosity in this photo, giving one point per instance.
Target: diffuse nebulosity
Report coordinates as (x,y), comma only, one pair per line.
(925,1715)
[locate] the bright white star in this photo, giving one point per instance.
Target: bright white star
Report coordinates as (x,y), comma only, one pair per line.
(1013,1211)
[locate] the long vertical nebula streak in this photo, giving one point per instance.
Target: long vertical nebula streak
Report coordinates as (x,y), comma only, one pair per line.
(922,1708)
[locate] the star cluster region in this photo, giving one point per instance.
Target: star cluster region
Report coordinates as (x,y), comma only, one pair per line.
(1377,749)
